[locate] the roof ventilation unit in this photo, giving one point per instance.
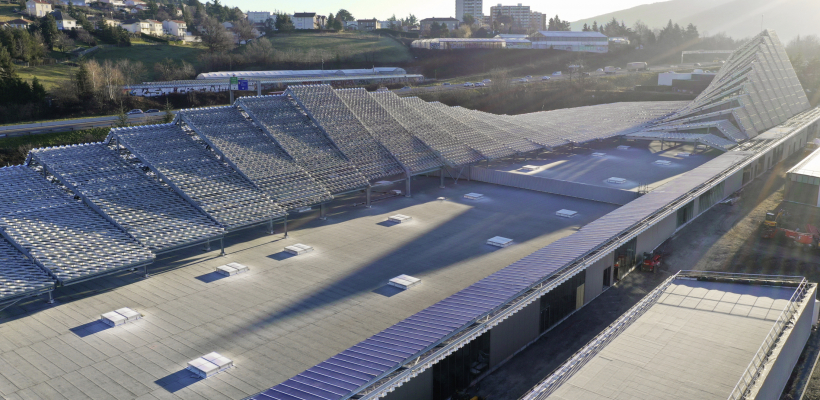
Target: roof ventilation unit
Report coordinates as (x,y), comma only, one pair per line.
(441,198)
(623,147)
(209,365)
(529,167)
(684,154)
(232,269)
(598,154)
(473,196)
(120,317)
(404,282)
(499,241)
(566,213)
(616,180)
(298,249)
(399,218)
(662,162)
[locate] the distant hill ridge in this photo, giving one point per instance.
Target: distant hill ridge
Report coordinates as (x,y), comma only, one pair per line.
(737,18)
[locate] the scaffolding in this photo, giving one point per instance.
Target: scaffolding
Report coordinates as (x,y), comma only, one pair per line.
(60,234)
(329,112)
(476,139)
(452,152)
(152,213)
(196,174)
(299,136)
(256,156)
(411,152)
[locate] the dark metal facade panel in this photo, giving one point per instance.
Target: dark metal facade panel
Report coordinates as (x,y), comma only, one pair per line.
(256,156)
(299,136)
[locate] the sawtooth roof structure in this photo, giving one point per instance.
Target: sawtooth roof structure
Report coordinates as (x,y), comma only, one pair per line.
(250,163)
(755,90)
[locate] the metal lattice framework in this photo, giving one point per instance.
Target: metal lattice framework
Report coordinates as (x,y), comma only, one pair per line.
(197,175)
(19,277)
(427,130)
(476,139)
(62,235)
(340,124)
(256,156)
(584,124)
(299,136)
(141,206)
(411,152)
(495,127)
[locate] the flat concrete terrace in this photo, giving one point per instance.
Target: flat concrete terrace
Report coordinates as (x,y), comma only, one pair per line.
(635,164)
(287,313)
(694,343)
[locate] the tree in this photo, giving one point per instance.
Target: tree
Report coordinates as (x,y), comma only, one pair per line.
(555,24)
(48,27)
(215,37)
(169,115)
(344,15)
(468,19)
(595,26)
(83,82)
(122,118)
(411,20)
(243,29)
(63,42)
(285,25)
(7,69)
(337,24)
(586,28)
(330,21)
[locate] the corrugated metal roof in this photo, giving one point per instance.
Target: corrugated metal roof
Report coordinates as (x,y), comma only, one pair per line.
(571,34)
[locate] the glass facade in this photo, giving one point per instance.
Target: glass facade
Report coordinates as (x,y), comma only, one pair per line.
(458,370)
(561,301)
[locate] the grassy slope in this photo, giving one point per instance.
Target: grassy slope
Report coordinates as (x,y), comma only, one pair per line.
(149,55)
(49,75)
(6,12)
(13,150)
(387,49)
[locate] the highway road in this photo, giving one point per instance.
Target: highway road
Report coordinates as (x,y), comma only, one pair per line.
(75,124)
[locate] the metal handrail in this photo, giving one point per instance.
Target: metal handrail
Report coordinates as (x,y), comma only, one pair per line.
(754,368)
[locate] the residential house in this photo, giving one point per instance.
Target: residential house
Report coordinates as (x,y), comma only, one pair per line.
(451,23)
(113,3)
(258,17)
(175,28)
(351,25)
(369,24)
(38,8)
(134,3)
(146,26)
(64,21)
(108,22)
(395,25)
(75,3)
(307,20)
(18,23)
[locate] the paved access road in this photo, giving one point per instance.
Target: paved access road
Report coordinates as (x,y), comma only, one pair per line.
(75,124)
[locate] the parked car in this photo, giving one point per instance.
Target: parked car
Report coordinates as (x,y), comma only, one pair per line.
(135,112)
(480,84)
(468,84)
(486,81)
(152,111)
(445,84)
(556,73)
(545,78)
(406,88)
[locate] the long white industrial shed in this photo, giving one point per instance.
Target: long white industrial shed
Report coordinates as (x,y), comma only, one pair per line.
(154,189)
(381,365)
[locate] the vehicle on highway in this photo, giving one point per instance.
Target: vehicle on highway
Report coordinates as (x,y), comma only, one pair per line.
(382,89)
(480,84)
(528,77)
(468,84)
(520,80)
(586,74)
(152,111)
(545,78)
(697,64)
(445,84)
(556,73)
(637,66)
(610,69)
(406,88)
(135,112)
(486,81)
(599,70)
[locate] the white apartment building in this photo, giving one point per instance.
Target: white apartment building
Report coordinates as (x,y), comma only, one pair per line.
(472,7)
(520,14)
(174,28)
(64,21)
(38,8)
(258,17)
(146,26)
(307,20)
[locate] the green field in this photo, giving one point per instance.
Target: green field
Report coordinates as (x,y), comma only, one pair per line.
(6,12)
(149,55)
(384,49)
(49,75)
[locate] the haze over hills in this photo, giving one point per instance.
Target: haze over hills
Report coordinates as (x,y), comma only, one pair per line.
(737,18)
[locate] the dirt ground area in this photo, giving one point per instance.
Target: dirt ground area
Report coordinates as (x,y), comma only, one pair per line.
(725,238)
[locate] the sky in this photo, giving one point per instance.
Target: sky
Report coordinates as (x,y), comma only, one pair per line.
(381,9)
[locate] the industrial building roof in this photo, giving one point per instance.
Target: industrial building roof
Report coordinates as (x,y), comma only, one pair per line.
(571,34)
(692,338)
(810,166)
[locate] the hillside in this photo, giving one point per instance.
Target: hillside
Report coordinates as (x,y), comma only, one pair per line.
(737,18)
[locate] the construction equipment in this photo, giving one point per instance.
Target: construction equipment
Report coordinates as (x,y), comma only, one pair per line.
(770,223)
